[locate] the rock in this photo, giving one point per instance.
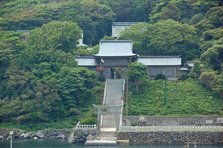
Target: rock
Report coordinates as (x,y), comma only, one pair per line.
(25,135)
(142,121)
(1,137)
(40,135)
(127,122)
(90,137)
(80,136)
(35,138)
(60,136)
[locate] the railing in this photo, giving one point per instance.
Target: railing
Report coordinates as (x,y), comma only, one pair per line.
(177,120)
(85,126)
(171,128)
(105,91)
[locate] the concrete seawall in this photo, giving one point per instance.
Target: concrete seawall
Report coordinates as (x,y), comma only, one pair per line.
(172,137)
(172,134)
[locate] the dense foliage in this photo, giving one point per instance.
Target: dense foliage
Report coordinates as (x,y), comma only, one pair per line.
(189,28)
(42,82)
(137,74)
(28,14)
(166,37)
(56,36)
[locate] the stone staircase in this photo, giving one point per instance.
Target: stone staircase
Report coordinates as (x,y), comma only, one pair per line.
(109,136)
(109,122)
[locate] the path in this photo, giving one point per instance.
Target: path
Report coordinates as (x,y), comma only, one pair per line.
(113,97)
(112,117)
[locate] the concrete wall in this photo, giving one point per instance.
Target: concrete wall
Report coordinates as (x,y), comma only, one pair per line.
(172,137)
(175,120)
(116,62)
(169,71)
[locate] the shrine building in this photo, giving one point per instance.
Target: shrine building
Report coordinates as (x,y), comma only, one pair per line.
(115,54)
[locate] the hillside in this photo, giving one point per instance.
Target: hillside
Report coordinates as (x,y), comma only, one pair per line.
(41,85)
(183,98)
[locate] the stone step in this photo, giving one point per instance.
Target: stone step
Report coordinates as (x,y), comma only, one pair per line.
(107,134)
(108,129)
(107,138)
(100,142)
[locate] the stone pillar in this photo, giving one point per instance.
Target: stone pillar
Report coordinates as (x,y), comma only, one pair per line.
(99,119)
(115,74)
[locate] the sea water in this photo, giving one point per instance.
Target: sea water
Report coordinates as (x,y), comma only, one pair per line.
(64,144)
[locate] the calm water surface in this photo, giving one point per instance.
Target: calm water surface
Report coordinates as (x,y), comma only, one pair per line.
(65,144)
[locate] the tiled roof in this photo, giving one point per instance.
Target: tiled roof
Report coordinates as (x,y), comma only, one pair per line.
(86,61)
(115,48)
(160,60)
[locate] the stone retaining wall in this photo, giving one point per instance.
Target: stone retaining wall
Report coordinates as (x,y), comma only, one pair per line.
(80,135)
(172,137)
(46,134)
(173,120)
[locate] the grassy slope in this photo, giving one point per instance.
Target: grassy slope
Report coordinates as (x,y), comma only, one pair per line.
(183,98)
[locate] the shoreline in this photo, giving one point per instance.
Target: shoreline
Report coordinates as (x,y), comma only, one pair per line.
(40,134)
(147,137)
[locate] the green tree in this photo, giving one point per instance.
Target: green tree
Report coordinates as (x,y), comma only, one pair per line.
(166,37)
(210,38)
(197,69)
(52,85)
(213,19)
(101,17)
(218,85)
(128,10)
(208,78)
(10,46)
(75,88)
(214,55)
(212,81)
(138,34)
(43,81)
(175,9)
(55,35)
(137,74)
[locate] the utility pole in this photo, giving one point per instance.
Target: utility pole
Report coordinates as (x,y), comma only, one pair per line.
(10,133)
(165,92)
(127,96)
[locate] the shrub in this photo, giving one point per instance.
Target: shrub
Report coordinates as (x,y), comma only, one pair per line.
(160,77)
(90,120)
